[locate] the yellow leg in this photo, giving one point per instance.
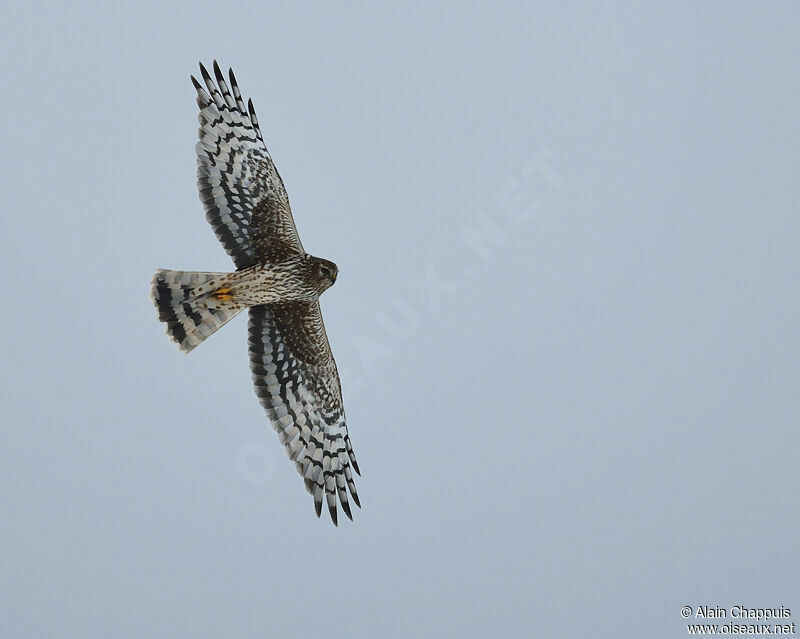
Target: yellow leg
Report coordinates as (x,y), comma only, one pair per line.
(223,294)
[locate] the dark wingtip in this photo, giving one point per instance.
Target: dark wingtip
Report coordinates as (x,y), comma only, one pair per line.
(346,509)
(196,83)
(232,78)
(355,466)
(334,515)
(356,500)
(218,73)
(318,507)
(205,73)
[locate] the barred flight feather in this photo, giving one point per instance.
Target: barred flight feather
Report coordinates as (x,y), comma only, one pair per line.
(302,398)
(236,177)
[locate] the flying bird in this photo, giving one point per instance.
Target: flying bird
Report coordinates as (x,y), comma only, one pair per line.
(293,369)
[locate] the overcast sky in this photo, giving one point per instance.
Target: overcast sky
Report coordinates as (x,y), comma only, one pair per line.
(566,319)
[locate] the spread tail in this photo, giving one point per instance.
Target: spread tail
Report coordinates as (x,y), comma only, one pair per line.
(187,305)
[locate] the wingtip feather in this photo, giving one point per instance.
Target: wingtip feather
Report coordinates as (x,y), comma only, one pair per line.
(346,509)
(204,72)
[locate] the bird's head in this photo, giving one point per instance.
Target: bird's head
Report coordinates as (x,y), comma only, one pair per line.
(323,272)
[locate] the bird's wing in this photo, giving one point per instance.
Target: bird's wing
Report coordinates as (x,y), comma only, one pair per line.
(242,193)
(297,383)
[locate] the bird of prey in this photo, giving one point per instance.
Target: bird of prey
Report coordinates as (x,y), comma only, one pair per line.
(293,369)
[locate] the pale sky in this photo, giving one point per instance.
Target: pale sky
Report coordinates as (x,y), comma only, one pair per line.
(566,318)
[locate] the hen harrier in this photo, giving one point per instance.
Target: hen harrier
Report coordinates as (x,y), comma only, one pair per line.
(293,369)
